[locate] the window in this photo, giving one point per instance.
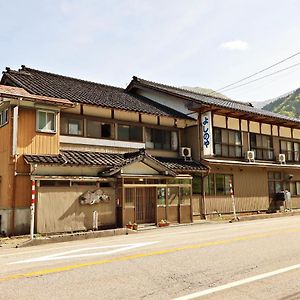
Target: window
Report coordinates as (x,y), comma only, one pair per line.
(96,129)
(275,183)
(3,117)
(161,196)
(217,184)
(290,149)
(227,143)
(262,146)
(71,126)
(46,121)
(197,184)
(173,196)
(161,139)
(130,133)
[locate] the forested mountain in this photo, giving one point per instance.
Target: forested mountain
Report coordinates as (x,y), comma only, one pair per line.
(288,104)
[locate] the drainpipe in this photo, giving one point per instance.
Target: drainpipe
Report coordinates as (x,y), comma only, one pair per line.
(15,155)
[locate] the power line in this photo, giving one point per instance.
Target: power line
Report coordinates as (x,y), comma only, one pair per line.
(254,74)
(268,75)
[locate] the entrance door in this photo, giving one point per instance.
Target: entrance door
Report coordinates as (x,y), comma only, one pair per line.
(145,205)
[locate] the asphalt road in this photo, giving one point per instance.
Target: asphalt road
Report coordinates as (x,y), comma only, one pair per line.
(248,260)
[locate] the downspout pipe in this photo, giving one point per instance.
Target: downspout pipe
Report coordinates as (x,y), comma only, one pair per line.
(15,111)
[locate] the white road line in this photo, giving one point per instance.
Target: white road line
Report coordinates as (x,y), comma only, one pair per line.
(237,283)
(100,250)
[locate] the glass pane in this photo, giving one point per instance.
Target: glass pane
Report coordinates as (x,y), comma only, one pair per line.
(174,141)
(129,197)
(75,127)
(277,175)
(298,188)
(293,188)
(283,145)
(227,184)
(135,133)
(218,149)
(185,195)
(196,184)
(253,139)
(238,151)
(225,150)
(51,121)
(123,132)
(217,135)
(161,196)
(173,196)
(278,187)
(231,151)
(231,135)
(93,129)
(290,146)
(42,120)
(220,188)
(259,143)
(271,188)
(238,140)
(167,140)
(224,136)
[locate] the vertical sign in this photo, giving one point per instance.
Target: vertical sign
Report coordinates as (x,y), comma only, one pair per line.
(207,138)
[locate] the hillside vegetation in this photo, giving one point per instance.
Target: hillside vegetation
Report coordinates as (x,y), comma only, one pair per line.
(288,105)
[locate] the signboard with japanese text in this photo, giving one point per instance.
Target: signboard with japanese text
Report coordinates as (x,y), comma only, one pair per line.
(207,136)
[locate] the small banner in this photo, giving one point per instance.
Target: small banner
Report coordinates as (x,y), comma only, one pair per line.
(207,136)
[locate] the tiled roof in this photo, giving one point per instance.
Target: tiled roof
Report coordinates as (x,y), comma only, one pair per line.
(112,160)
(81,91)
(11,91)
(208,100)
(181,165)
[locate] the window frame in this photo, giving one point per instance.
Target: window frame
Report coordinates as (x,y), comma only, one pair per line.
(227,144)
(210,185)
(54,113)
(287,152)
(261,148)
(150,144)
(4,112)
(130,126)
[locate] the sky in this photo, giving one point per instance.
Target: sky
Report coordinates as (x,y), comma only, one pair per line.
(197,43)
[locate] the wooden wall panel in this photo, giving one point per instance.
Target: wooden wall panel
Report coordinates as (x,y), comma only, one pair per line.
(59,210)
(219,121)
(32,142)
(5,164)
(233,123)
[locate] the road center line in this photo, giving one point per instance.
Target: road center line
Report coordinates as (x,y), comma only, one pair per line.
(140,255)
(238,283)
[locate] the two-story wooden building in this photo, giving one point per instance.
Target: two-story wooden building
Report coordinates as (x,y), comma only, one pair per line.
(99,156)
(255,149)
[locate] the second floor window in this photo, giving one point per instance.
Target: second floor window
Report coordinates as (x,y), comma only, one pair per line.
(71,126)
(262,146)
(3,117)
(227,143)
(290,149)
(161,139)
(46,121)
(96,129)
(130,133)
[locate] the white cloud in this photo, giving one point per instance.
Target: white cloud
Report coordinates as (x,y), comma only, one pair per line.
(235,45)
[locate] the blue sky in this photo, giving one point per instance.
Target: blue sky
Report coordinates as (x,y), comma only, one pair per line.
(182,43)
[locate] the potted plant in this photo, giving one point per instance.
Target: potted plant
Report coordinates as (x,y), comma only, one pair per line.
(129,225)
(163,223)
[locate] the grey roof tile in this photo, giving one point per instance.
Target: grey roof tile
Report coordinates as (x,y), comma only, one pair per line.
(80,91)
(209,100)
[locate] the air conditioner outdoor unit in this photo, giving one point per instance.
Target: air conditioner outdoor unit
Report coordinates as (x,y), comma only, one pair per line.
(250,155)
(281,158)
(185,152)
